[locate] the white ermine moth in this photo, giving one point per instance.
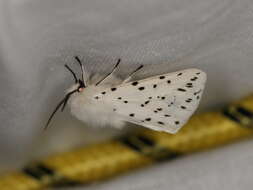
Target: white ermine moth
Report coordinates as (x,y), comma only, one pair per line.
(163,103)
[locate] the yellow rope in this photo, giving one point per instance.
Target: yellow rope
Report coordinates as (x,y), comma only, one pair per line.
(144,147)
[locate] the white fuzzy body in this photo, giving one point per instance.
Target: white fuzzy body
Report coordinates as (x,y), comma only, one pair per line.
(163,103)
(85,108)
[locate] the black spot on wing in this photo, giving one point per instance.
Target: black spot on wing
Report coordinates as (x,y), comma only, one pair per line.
(113,89)
(183,107)
(161,123)
(141,88)
(179,74)
(103,92)
(177,122)
(168,81)
(125,102)
(166,115)
(146,102)
(195,93)
(119,98)
(188,100)
(181,89)
(154,86)
(189,85)
(194,78)
(162,77)
(171,103)
(135,83)
(131,114)
(148,119)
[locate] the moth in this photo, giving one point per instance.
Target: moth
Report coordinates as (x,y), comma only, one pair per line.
(163,103)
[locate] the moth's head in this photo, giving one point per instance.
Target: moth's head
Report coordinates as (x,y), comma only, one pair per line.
(75,89)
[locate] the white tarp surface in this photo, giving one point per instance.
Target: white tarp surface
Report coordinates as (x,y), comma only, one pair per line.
(37,37)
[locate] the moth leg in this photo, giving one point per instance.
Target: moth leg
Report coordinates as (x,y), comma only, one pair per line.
(114,68)
(131,74)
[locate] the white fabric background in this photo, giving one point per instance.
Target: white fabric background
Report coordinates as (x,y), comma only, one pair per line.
(37,37)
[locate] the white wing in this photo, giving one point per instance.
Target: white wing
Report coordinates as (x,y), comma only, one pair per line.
(162,103)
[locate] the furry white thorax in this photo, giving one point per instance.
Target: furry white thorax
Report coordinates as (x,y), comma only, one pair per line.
(85,108)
